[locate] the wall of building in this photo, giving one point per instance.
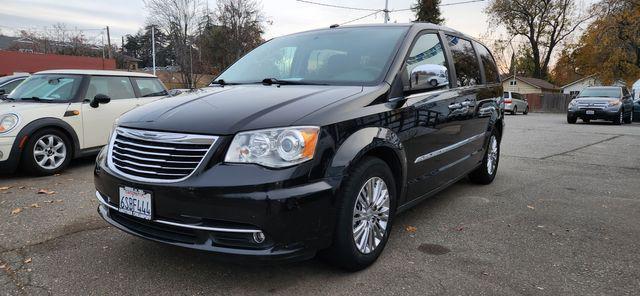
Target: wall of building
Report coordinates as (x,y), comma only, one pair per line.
(13,61)
(520,87)
(577,87)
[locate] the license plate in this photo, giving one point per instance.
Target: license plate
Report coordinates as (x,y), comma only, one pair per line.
(135,202)
(591,112)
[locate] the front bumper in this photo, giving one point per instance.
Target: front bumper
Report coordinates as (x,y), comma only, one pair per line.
(219,210)
(8,160)
(606,114)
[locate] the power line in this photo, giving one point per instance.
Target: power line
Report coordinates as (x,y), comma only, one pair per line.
(339,6)
(366,16)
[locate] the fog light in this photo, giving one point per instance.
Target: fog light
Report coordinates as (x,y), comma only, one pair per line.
(258,237)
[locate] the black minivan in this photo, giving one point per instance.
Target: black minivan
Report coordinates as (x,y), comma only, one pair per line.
(311,143)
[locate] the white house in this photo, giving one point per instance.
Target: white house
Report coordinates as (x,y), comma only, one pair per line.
(575,87)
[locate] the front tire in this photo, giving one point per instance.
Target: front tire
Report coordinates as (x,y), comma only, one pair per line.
(487,171)
(48,152)
(619,119)
(571,119)
(365,215)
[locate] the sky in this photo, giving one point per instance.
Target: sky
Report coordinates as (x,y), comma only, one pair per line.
(287,16)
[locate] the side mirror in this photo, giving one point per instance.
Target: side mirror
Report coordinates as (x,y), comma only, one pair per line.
(99,99)
(428,76)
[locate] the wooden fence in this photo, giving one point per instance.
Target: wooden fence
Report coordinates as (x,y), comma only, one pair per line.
(548,102)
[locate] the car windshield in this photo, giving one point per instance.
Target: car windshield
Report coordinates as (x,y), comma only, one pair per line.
(341,56)
(47,88)
(603,92)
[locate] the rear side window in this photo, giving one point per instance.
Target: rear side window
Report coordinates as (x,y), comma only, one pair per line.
(426,64)
(114,87)
(465,61)
(150,87)
(488,64)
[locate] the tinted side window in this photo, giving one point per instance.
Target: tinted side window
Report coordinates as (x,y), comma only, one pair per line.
(465,61)
(426,64)
(150,87)
(625,92)
(9,87)
(115,87)
(488,64)
(516,96)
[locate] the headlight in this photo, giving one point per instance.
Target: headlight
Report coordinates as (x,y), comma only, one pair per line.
(276,148)
(8,122)
(573,103)
(614,103)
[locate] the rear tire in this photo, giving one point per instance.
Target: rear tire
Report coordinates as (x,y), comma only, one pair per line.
(526,111)
(571,119)
(487,171)
(47,152)
(357,211)
(619,119)
(629,119)
(514,111)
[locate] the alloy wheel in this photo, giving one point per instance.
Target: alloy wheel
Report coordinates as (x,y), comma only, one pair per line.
(492,155)
(371,215)
(50,152)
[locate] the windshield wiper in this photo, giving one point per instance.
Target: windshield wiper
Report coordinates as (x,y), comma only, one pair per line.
(37,99)
(5,98)
(271,81)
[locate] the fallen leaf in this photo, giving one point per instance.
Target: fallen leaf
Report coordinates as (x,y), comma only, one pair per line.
(531,207)
(3,266)
(45,191)
(35,205)
(22,187)
(57,175)
(5,187)
(27,261)
(16,211)
(48,201)
(58,200)
(460,228)
(411,229)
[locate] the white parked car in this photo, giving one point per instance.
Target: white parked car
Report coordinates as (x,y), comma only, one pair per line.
(515,102)
(57,115)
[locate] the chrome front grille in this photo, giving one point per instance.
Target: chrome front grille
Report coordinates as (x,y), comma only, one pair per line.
(598,105)
(157,156)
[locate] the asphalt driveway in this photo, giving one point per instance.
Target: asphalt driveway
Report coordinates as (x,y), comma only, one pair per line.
(561,218)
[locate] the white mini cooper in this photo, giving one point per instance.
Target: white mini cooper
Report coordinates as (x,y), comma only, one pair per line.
(57,115)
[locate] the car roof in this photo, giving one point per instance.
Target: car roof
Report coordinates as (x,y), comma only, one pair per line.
(11,77)
(418,25)
(97,72)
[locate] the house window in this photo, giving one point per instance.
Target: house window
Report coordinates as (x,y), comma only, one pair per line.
(513,82)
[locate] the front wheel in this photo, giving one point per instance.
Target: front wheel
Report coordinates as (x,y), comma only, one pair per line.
(571,119)
(365,215)
(619,119)
(486,172)
(48,152)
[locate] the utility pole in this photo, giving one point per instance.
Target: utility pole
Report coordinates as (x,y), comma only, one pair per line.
(108,42)
(386,11)
(153,48)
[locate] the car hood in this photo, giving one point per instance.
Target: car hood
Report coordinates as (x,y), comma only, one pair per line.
(19,107)
(230,109)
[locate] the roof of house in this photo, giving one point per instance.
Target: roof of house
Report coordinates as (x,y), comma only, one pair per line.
(534,81)
(96,72)
(579,80)
(6,41)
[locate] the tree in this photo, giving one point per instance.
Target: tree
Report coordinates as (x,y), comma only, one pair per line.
(611,45)
(544,24)
(428,11)
(179,19)
(242,23)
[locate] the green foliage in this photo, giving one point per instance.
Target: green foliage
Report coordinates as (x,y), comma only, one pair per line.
(428,11)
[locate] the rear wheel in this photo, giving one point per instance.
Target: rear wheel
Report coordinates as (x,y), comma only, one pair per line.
(629,118)
(48,152)
(571,119)
(365,216)
(514,111)
(619,119)
(486,172)
(526,111)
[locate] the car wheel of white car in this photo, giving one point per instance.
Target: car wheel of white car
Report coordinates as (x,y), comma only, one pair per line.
(48,152)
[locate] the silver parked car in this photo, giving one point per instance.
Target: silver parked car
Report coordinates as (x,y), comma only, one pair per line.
(515,102)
